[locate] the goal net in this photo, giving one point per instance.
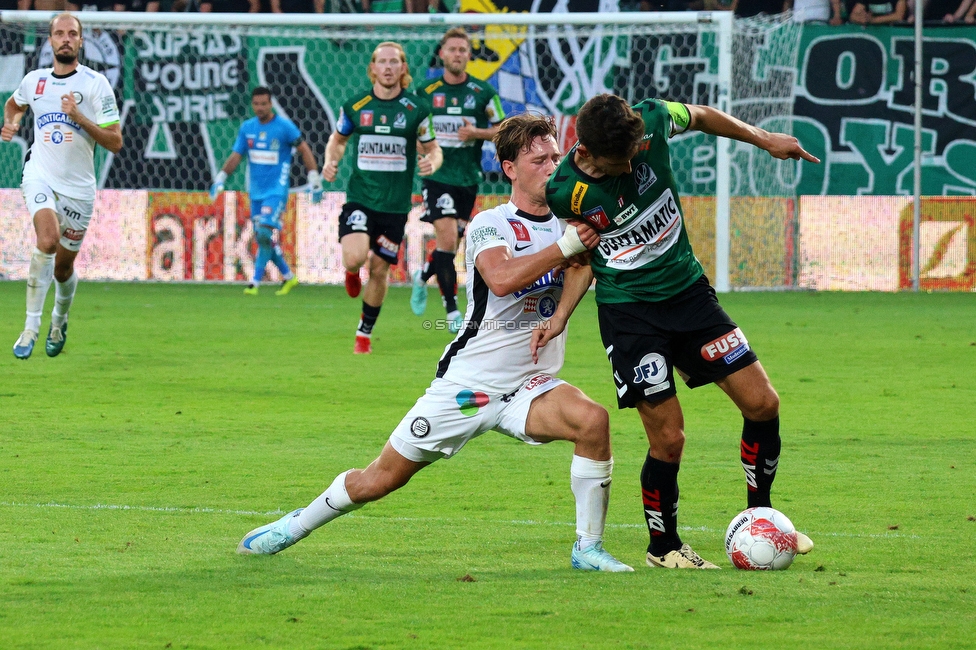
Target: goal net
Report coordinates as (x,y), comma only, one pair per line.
(183,87)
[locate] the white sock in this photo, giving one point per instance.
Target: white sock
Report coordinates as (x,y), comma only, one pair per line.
(39,280)
(64,294)
(591,487)
(329,505)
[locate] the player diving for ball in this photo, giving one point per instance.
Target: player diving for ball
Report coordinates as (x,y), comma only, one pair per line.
(74,109)
(486,379)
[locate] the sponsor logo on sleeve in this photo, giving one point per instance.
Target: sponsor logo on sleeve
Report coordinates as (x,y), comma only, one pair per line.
(728,347)
(484,234)
(521,232)
(576,202)
(434,86)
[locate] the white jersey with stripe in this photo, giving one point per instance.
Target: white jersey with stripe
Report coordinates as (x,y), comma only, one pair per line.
(63,155)
(492,352)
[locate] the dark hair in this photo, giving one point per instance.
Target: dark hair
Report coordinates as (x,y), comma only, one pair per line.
(50,25)
(516,133)
(608,127)
(260,90)
(454,32)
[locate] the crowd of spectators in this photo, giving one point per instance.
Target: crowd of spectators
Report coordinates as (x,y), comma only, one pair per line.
(833,12)
(235,6)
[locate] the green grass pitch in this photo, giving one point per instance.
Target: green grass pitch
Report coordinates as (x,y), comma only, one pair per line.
(180,417)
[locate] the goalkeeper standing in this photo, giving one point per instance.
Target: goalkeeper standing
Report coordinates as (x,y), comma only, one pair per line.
(267,139)
(388,128)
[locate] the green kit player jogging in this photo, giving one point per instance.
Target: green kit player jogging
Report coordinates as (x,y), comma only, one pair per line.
(466,112)
(387,127)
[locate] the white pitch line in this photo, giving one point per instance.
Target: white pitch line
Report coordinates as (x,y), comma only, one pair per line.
(514,522)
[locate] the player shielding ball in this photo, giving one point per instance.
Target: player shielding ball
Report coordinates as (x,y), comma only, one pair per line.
(486,379)
(466,112)
(267,139)
(658,314)
(387,127)
(74,109)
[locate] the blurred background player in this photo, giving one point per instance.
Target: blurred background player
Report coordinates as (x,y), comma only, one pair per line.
(466,113)
(387,126)
(659,316)
(74,109)
(514,255)
(267,139)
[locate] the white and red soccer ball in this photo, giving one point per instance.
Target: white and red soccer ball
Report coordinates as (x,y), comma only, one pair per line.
(761,539)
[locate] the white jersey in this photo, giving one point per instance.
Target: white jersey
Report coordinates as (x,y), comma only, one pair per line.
(63,155)
(492,352)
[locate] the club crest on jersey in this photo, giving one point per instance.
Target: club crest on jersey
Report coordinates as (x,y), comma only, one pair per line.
(597,217)
(469,102)
(39,90)
(400,122)
(521,232)
(366,118)
(644,177)
(728,347)
(440,100)
(77,96)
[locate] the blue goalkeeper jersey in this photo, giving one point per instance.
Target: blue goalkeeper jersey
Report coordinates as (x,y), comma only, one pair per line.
(268,149)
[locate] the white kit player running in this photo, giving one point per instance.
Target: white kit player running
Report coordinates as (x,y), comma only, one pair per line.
(74,109)
(486,379)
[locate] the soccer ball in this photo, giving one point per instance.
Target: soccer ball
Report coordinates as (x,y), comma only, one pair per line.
(761,539)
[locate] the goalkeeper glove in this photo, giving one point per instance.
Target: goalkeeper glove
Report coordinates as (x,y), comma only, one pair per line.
(315,186)
(218,185)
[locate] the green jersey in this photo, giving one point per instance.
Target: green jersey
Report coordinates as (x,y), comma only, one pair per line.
(384,135)
(644,253)
(474,102)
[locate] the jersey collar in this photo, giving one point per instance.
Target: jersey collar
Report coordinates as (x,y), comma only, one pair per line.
(65,76)
(533,217)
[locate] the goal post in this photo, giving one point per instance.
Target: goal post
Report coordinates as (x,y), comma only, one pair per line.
(183,82)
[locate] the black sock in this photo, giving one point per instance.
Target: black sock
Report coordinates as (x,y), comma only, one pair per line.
(429,267)
(368,319)
(446,278)
(659,492)
(759,452)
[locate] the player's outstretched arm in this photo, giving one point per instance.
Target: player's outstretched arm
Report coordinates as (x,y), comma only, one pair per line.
(233,160)
(431,157)
(13,113)
(576,282)
(505,274)
(334,150)
(779,145)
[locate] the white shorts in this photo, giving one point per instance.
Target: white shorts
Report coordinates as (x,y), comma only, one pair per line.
(74,215)
(449,415)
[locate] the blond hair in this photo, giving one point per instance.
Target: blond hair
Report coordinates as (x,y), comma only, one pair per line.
(405,78)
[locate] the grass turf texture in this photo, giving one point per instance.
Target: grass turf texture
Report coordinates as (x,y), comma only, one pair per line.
(180,417)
